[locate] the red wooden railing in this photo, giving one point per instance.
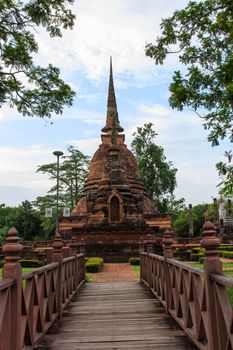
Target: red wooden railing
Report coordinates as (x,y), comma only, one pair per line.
(196,298)
(30,303)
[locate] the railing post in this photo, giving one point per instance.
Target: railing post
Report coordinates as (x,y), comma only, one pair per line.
(66,252)
(82,247)
(82,250)
(168,254)
(141,245)
(74,246)
(13,270)
(149,244)
(58,257)
(149,249)
(49,255)
(142,258)
(212,264)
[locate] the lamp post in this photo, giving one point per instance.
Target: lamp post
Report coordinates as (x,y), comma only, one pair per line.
(57,154)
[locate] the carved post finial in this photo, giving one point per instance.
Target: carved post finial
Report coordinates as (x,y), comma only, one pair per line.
(73,245)
(149,244)
(210,242)
(57,246)
(12,248)
(13,270)
(141,245)
(167,244)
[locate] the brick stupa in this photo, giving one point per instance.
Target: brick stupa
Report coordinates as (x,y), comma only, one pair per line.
(114,210)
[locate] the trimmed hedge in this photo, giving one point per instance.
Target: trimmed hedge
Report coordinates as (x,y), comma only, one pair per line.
(134,261)
(197,254)
(94,265)
(31,263)
(226,248)
(27,263)
(226,254)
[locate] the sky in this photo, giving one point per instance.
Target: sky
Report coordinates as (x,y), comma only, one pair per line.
(104,28)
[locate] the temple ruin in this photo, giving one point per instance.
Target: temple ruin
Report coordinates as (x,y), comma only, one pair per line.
(114,210)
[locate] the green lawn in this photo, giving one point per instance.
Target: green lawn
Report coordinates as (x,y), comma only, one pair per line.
(136,267)
(201,265)
(25,269)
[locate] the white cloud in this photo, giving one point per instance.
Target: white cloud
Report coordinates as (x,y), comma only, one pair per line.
(119,28)
(87,146)
(7,113)
(18,166)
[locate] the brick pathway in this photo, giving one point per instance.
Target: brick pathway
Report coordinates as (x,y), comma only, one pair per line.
(115,273)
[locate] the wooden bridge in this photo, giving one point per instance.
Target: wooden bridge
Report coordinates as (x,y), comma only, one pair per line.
(175,306)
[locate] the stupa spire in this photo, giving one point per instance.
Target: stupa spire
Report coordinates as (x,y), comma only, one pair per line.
(112,126)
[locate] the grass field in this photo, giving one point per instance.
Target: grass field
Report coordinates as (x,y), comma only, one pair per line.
(25,269)
(136,267)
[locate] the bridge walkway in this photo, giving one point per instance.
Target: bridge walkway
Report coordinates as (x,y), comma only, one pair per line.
(115,316)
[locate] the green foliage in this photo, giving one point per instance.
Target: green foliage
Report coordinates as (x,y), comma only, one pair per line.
(226,174)
(181,223)
(31,263)
(226,254)
(94,265)
(197,254)
(174,206)
(5,214)
(226,247)
(157,174)
(88,278)
(136,267)
(73,171)
(24,218)
(33,90)
(201,35)
(134,261)
(27,221)
(27,263)
(3,233)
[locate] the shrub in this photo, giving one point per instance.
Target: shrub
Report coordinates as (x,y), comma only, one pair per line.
(31,263)
(226,247)
(201,259)
(134,261)
(226,254)
(94,264)
(93,267)
(194,256)
(27,263)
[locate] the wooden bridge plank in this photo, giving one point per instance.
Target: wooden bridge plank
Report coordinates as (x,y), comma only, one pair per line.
(115,316)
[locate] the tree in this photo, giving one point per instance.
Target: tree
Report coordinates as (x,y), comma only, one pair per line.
(73,171)
(226,174)
(26,220)
(202,35)
(48,224)
(157,174)
(181,223)
(33,90)
(175,206)
(5,213)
